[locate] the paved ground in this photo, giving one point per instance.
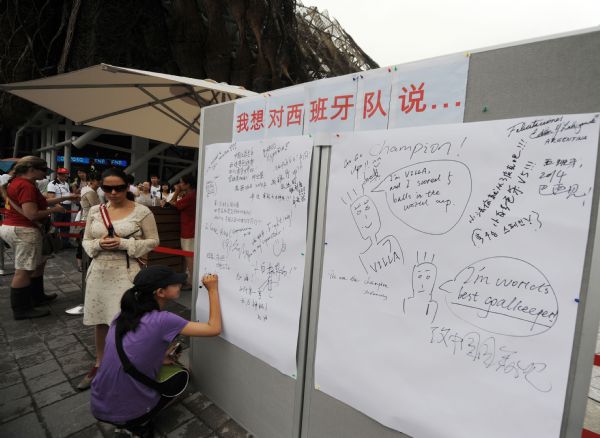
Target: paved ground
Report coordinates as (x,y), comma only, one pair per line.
(45,358)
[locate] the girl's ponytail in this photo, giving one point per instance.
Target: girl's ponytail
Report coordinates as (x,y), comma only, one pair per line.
(135,303)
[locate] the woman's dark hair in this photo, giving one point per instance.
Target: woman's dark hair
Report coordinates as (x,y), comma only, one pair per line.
(94,176)
(114,171)
(189,179)
(135,303)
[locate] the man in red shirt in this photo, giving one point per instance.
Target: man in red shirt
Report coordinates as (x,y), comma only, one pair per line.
(187,216)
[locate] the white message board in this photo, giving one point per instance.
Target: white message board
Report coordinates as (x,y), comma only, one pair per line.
(254,218)
(452,271)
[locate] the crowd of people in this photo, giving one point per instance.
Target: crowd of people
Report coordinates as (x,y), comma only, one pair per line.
(124,297)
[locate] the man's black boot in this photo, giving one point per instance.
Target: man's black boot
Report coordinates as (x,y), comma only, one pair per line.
(22,304)
(37,292)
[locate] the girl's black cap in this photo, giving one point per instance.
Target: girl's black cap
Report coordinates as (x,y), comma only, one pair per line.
(158,276)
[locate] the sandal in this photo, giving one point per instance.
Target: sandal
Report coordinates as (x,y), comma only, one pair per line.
(86,382)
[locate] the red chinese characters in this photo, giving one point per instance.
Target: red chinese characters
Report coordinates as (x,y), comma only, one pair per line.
(250,121)
(342,105)
(413,99)
(256,122)
(242,123)
(340,109)
(317,109)
(370,108)
(294,114)
(276,116)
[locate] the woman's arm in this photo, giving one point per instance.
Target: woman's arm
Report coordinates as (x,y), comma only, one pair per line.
(31,211)
(54,200)
(173,200)
(90,245)
(213,326)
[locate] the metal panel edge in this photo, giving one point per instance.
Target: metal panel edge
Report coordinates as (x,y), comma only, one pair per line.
(586,328)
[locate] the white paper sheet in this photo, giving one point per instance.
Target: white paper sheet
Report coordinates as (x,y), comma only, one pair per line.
(429,92)
(452,272)
(254,214)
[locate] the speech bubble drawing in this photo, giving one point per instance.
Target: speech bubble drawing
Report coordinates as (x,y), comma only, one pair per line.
(430,196)
(503,295)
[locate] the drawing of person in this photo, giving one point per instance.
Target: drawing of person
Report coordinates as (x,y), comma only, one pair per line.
(424,275)
(381,253)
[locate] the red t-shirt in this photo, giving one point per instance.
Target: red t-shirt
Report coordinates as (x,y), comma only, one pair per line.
(20,191)
(187,215)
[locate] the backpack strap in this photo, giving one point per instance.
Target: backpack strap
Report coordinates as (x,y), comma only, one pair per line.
(130,369)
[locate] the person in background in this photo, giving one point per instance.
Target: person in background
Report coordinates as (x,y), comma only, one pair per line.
(145,197)
(59,188)
(89,198)
(4,179)
(101,196)
(21,229)
(115,256)
(8,175)
(146,331)
(187,216)
(132,187)
(42,185)
(165,194)
(155,187)
(80,182)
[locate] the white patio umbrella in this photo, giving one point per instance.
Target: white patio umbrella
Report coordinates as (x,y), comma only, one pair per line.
(146,104)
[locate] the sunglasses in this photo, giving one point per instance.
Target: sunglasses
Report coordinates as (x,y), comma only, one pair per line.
(109,189)
(43,169)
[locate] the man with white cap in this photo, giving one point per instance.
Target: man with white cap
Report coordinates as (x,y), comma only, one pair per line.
(60,188)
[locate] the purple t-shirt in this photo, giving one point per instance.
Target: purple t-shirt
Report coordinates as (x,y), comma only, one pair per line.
(116,396)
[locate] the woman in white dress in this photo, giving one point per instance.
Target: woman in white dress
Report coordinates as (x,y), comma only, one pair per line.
(114,258)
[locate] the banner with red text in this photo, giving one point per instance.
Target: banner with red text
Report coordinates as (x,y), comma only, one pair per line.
(415,94)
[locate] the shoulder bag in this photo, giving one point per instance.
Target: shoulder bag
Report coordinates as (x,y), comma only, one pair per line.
(50,240)
(172,379)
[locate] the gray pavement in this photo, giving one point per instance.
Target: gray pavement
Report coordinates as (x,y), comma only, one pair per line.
(45,358)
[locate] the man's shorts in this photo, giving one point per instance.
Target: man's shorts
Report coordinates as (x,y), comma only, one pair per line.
(26,243)
(188,244)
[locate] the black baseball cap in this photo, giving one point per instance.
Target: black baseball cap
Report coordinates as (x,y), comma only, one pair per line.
(158,276)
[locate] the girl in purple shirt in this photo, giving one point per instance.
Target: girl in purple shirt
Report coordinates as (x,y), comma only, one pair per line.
(147,332)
